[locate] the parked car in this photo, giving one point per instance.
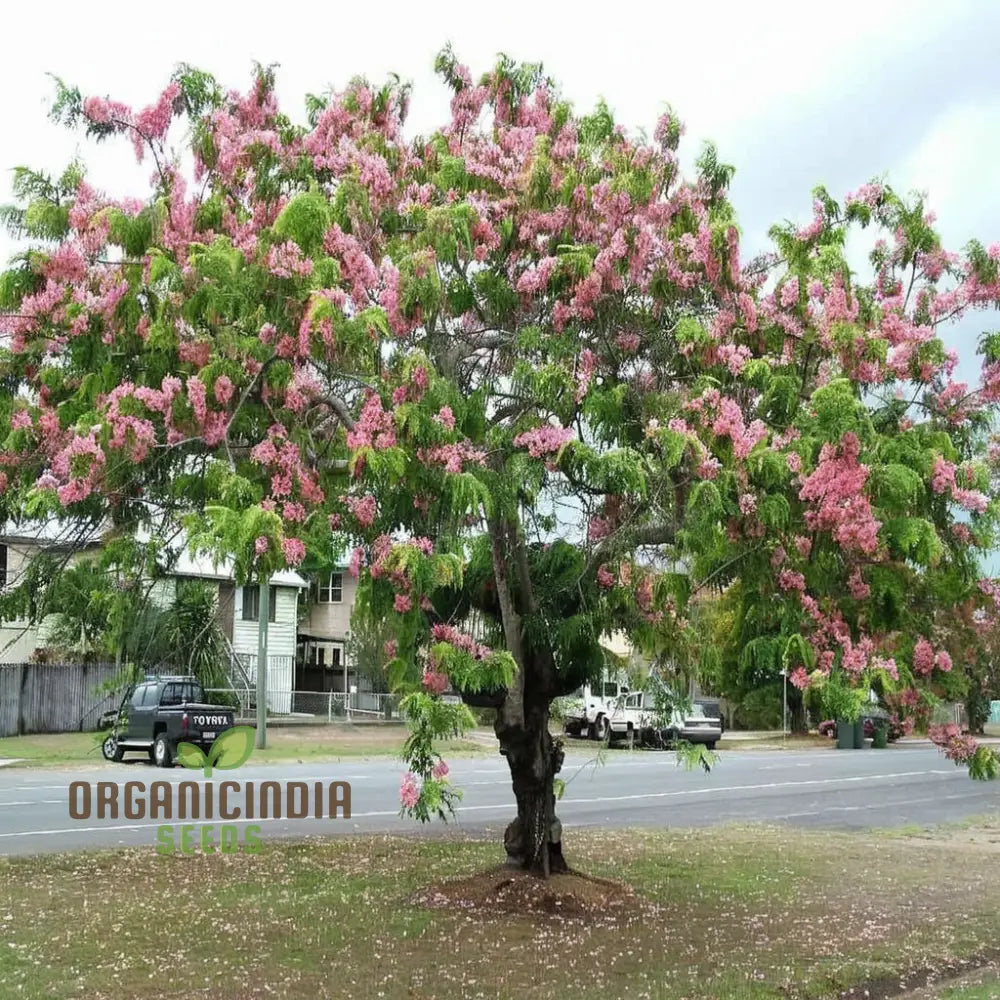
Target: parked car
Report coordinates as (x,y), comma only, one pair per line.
(693,726)
(157,714)
(632,718)
(713,710)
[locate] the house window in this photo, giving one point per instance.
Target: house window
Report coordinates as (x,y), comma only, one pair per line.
(331,588)
(251,604)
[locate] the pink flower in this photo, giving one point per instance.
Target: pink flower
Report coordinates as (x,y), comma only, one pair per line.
(435,682)
(223,389)
(440,771)
(943,661)
(409,792)
(605,577)
(923,656)
(445,418)
(709,468)
(390,648)
(860,590)
(804,545)
(544,440)
(19,420)
(294,549)
(799,678)
(403,603)
(790,580)
(363,508)
(837,489)
(260,546)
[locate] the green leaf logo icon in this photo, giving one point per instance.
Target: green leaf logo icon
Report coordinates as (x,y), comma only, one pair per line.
(188,755)
(231,750)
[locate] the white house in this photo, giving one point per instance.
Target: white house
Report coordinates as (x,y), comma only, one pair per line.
(324,633)
(238,607)
(239,617)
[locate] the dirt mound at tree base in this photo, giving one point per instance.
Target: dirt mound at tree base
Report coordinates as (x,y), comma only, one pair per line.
(508,891)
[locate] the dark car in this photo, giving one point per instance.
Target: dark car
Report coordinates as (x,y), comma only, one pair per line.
(161,712)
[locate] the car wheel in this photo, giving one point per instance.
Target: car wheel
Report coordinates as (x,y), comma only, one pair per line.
(711,745)
(112,750)
(670,739)
(602,730)
(163,755)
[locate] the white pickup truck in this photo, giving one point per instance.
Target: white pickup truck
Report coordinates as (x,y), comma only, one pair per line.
(587,709)
(632,719)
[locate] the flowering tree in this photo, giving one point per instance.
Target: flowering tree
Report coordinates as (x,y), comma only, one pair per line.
(522,368)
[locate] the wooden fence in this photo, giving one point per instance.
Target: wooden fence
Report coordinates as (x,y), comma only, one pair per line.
(53,698)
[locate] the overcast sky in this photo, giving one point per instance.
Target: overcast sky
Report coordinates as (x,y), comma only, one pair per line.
(905,88)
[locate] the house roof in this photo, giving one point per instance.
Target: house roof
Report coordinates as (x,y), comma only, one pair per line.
(204,567)
(52,532)
(55,533)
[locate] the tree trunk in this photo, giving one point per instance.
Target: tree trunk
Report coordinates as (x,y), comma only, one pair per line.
(534,839)
(797,711)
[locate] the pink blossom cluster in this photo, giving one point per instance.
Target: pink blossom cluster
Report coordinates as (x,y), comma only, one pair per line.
(857,586)
(445,418)
(925,659)
(734,357)
(78,465)
(286,260)
(443,632)
(725,418)
(628,342)
(409,791)
(294,550)
(453,457)
(799,678)
(867,194)
(375,426)
(363,508)
(544,440)
(586,367)
(435,682)
(790,580)
(836,488)
(356,267)
(959,747)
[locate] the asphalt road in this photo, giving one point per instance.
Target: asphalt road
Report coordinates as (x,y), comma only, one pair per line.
(823,788)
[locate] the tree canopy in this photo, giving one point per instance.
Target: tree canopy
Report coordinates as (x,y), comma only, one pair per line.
(520,368)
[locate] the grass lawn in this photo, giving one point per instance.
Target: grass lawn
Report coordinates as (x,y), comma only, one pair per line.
(286,743)
(736,912)
(985,990)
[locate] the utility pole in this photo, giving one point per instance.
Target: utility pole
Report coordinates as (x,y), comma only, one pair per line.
(264,615)
(784,705)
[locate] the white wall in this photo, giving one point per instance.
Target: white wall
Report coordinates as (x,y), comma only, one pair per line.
(282,635)
(18,640)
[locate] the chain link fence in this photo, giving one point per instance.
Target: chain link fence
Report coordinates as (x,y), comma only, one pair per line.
(312,706)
